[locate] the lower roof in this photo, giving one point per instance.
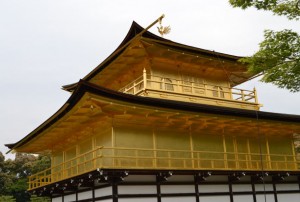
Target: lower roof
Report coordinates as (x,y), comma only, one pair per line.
(86,87)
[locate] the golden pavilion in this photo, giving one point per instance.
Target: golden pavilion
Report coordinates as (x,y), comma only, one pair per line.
(162,121)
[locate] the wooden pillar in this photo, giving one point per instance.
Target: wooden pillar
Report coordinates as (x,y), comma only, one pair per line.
(196,189)
(158,189)
(268,154)
(225,152)
(115,195)
(145,79)
(192,148)
(253,190)
(154,149)
(274,191)
(230,189)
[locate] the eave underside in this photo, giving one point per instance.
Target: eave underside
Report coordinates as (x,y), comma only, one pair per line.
(98,106)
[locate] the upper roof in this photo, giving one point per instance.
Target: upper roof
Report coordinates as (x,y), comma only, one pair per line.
(139,33)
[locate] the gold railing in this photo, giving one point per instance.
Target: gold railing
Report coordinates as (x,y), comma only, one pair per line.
(188,88)
(137,158)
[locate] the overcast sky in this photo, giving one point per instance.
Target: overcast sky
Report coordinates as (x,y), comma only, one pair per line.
(50,43)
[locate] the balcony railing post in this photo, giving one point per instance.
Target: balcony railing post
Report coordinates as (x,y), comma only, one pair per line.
(145,79)
(255,95)
(243,95)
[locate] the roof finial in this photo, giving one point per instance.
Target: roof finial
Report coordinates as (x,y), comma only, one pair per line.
(163,29)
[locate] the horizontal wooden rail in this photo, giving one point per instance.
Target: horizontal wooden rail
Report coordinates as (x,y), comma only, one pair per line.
(140,158)
(153,82)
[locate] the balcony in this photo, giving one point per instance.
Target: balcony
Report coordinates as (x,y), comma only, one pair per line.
(188,91)
(160,159)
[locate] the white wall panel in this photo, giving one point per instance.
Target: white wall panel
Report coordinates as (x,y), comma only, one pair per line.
(103,192)
(71,197)
(288,197)
(85,195)
(215,199)
(262,187)
(213,188)
(281,187)
(268,197)
(241,187)
(243,198)
(177,189)
(178,199)
(57,199)
(137,199)
(141,189)
(106,200)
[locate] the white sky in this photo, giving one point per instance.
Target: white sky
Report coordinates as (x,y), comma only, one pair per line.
(50,43)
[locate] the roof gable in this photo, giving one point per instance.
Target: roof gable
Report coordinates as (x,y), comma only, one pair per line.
(137,32)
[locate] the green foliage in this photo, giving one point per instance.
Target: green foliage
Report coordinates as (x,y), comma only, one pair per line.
(14,173)
(278,58)
(7,199)
(288,8)
(35,198)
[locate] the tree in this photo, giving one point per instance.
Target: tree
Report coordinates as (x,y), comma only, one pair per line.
(278,58)
(14,173)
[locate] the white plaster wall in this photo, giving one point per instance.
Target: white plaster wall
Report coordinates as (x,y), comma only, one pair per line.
(137,200)
(103,192)
(178,199)
(71,197)
(288,197)
(260,187)
(281,187)
(177,189)
(243,198)
(140,189)
(269,198)
(213,188)
(241,187)
(58,199)
(215,199)
(106,200)
(85,195)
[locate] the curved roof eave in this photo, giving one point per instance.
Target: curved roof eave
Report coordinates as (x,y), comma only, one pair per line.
(134,30)
(84,86)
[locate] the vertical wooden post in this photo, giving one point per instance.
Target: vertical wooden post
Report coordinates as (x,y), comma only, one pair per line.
(249,159)
(253,190)
(255,95)
(230,189)
(113,142)
(225,152)
(196,189)
(158,189)
(243,95)
(145,79)
(236,153)
(115,195)
(154,150)
(294,154)
(268,154)
(274,190)
(192,149)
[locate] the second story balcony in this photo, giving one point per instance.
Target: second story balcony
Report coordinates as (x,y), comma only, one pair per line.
(189,91)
